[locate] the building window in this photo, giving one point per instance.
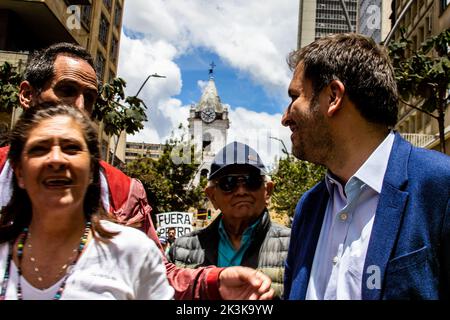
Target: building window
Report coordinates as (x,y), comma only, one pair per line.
(100,65)
(421,35)
(415,43)
(428,26)
(330,17)
(103,31)
(413,11)
(117,15)
(112,75)
(108,4)
(86,16)
(114,49)
(131,154)
(445,4)
(421,4)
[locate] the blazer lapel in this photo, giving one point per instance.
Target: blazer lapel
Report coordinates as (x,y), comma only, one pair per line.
(310,224)
(387,221)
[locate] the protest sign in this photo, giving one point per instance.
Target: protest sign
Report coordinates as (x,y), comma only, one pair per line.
(181,221)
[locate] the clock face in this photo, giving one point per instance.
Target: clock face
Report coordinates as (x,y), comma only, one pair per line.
(208,115)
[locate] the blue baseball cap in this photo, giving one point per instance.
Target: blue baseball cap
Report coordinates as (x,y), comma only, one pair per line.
(236,153)
(163,240)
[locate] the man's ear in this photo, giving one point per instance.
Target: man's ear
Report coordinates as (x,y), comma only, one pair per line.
(19,176)
(336,91)
(269,189)
(211,194)
(26,94)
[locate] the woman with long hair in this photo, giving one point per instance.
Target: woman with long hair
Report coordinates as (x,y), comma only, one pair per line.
(56,241)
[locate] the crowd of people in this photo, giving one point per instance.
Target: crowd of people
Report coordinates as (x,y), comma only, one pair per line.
(377,226)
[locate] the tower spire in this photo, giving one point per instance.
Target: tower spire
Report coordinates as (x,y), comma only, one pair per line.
(211,70)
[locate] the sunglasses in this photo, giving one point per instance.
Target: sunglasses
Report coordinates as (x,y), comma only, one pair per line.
(230,182)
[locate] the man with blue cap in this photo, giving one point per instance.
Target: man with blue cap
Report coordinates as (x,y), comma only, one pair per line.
(242,234)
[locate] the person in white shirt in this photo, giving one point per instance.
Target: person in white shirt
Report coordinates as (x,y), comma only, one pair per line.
(55,239)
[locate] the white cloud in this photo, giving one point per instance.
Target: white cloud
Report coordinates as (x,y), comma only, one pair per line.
(202,84)
(141,59)
(251,36)
(256,130)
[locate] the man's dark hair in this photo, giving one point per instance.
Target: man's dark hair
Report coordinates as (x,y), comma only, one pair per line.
(361,65)
(40,68)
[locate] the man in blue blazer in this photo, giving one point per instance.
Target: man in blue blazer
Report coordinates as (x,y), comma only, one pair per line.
(378,225)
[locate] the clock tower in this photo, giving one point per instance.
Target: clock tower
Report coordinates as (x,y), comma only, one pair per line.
(208,125)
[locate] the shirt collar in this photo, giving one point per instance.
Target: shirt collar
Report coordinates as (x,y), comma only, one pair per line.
(372,170)
(330,181)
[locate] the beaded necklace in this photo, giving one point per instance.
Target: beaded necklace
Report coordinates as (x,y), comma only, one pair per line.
(20,246)
(33,260)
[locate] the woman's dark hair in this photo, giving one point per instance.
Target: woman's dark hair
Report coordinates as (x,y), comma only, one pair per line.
(17,214)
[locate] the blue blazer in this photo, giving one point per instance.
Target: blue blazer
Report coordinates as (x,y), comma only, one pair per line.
(410,240)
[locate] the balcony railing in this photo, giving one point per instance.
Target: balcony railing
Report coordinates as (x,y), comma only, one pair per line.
(417,139)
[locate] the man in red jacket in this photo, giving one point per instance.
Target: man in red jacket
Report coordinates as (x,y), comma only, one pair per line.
(65,73)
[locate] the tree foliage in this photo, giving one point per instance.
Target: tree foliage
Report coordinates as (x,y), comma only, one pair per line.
(425,75)
(9,87)
(119,113)
(168,184)
(292,179)
(9,97)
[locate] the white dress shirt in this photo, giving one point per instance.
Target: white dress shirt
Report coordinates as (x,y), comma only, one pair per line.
(341,250)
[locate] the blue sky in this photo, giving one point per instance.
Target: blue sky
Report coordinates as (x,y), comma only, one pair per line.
(235,87)
(247,40)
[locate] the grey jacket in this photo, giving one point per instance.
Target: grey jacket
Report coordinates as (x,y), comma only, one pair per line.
(267,251)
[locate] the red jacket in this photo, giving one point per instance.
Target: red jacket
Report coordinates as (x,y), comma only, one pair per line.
(128,202)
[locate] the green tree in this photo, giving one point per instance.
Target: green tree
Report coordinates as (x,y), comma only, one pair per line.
(292,179)
(425,75)
(119,113)
(167,182)
(9,87)
(9,98)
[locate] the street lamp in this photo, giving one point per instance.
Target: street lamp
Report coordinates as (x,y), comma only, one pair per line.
(155,75)
(347,18)
(396,24)
(284,146)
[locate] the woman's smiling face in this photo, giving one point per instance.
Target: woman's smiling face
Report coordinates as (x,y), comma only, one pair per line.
(55,165)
